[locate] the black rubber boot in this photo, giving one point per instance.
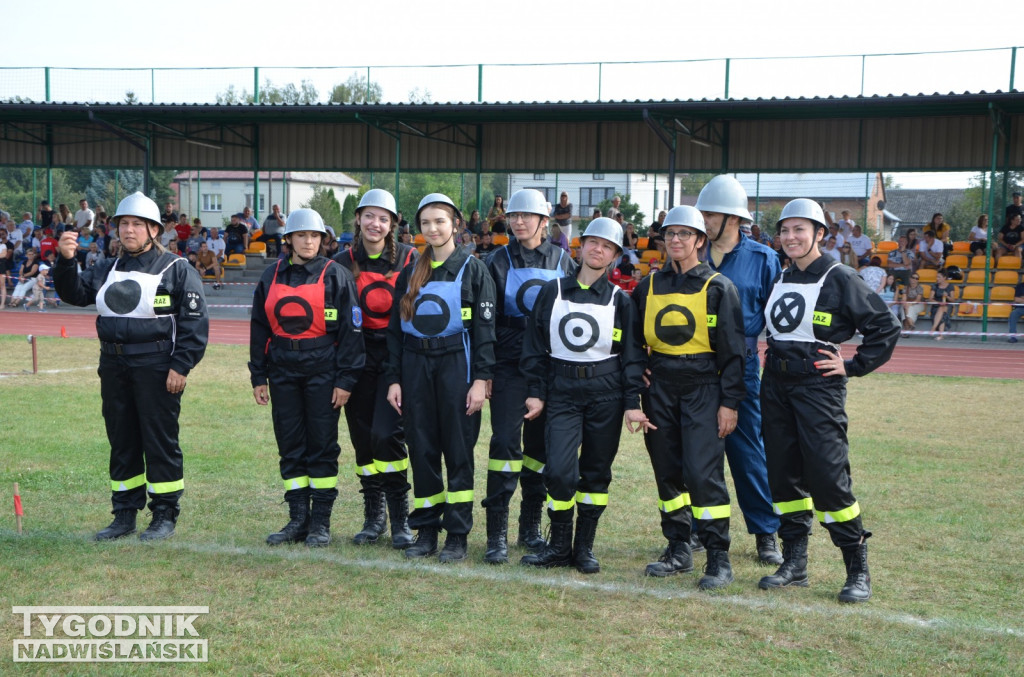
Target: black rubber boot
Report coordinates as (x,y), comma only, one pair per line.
(425,545)
(497,536)
(162,526)
(454,550)
(530,511)
(558,550)
(676,559)
(374,517)
(398,510)
(717,571)
(793,572)
(123,525)
(319,535)
(858,579)
(298,525)
(695,544)
(767,551)
(583,547)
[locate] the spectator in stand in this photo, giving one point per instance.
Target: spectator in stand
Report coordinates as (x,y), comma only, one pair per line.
(473,225)
(563,211)
(873,275)
(45,216)
(613,211)
(1010,237)
(26,225)
(942,232)
(114,249)
(901,261)
(929,252)
(84,217)
(888,294)
(626,266)
(833,231)
(486,246)
(273,228)
(758,236)
(846,224)
(92,257)
(14,237)
(780,251)
(403,225)
(654,238)
(1015,314)
(26,277)
(206,262)
(912,239)
(596,214)
(182,227)
(169,231)
(558,238)
(830,248)
(64,216)
(496,213)
(172,247)
(655,266)
(217,244)
(630,239)
(169,213)
(6,253)
(47,244)
(467,242)
(1015,207)
(194,239)
(978,237)
(85,238)
(861,245)
(101,232)
(250,223)
(942,297)
(237,235)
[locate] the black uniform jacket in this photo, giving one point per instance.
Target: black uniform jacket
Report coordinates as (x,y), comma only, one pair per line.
(536,355)
(347,355)
(510,339)
(853,307)
(186,323)
(727,336)
(477,295)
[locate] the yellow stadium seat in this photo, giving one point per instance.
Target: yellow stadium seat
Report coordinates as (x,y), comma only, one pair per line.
(926,275)
(973,292)
(418,239)
(642,242)
(975,276)
(961,247)
(1006,277)
(257,249)
(649,255)
(575,243)
(500,239)
(885,246)
(957,260)
(644,268)
(883,259)
(1008,263)
(999,311)
(1001,293)
(235,261)
(926,291)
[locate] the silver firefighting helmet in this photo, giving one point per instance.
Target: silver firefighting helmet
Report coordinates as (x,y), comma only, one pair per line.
(802,208)
(378,197)
(141,206)
(685,215)
(724,195)
(433,199)
(304,219)
(603,227)
(528,201)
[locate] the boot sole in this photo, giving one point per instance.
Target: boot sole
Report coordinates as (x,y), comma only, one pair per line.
(792,584)
(443,559)
(364,540)
(401,545)
(853,600)
(290,541)
(547,565)
(715,586)
(100,539)
(496,560)
(666,574)
(770,562)
(149,539)
(411,555)
(595,570)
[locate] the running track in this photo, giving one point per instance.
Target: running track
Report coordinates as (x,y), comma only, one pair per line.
(946,359)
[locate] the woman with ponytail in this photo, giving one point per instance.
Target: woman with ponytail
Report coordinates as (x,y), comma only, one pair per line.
(375,428)
(440,356)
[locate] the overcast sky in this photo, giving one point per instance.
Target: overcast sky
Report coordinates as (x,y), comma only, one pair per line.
(297,33)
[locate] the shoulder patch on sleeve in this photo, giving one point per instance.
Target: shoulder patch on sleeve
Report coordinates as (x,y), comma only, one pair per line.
(357,316)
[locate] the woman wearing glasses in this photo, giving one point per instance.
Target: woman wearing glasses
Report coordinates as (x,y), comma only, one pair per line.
(693,323)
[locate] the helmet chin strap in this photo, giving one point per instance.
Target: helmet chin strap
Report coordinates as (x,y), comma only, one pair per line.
(721,230)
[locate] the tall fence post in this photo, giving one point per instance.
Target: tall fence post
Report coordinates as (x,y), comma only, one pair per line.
(152,85)
(728,65)
(600,77)
(47,75)
(479,83)
(1013,66)
(863,66)
(256,84)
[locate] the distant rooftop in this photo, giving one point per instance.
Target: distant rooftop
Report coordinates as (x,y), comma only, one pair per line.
(816,186)
(915,207)
(322,178)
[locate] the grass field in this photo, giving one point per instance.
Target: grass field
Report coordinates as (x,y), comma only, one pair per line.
(938,477)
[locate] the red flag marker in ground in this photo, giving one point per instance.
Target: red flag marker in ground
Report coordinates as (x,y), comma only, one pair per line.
(63,331)
(18,512)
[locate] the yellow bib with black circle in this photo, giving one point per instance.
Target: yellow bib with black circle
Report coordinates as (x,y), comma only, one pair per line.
(678,324)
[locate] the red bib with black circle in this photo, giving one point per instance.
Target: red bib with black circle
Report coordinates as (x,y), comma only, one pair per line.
(296,312)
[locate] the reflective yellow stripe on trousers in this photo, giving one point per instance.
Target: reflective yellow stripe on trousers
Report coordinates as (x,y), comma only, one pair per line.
(671,505)
(166,487)
(591,499)
(126,485)
(499,465)
(798,505)
(391,466)
(367,470)
(296,483)
(532,464)
(711,512)
(428,501)
(844,515)
(560,505)
(323,482)
(460,496)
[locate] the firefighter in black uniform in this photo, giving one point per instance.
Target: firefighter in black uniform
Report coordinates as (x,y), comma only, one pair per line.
(583,362)
(815,305)
(519,269)
(152,327)
(440,357)
(693,323)
(375,428)
(305,341)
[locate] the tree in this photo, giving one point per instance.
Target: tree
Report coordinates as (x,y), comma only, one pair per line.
(306,93)
(417,95)
(355,90)
(324,203)
(630,210)
(348,212)
(963,215)
(768,217)
(691,184)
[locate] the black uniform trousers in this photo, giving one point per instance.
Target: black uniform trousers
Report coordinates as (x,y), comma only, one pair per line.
(509,462)
(584,422)
(804,424)
(142,426)
(306,428)
(374,426)
(434,390)
(686,452)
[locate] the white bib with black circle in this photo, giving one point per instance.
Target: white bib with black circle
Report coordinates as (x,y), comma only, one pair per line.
(790,314)
(130,294)
(582,332)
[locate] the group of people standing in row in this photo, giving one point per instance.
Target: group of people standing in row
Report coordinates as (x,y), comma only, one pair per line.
(411,346)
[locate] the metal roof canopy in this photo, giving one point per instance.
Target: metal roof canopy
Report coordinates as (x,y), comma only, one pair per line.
(951,132)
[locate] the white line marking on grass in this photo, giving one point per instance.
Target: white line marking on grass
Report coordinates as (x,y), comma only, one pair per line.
(514,573)
(46,371)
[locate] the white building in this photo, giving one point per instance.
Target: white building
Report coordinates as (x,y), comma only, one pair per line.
(214,196)
(586,191)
